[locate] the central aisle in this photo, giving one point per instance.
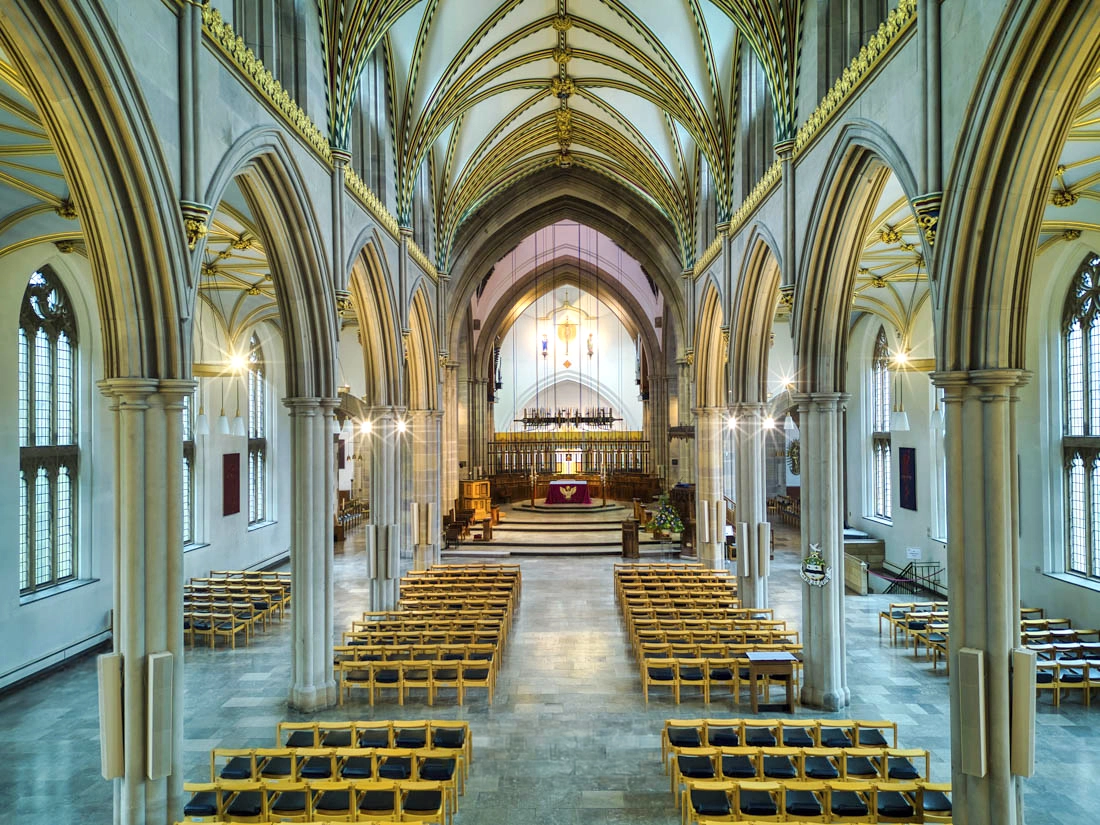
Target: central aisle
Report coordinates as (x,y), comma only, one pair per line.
(568,739)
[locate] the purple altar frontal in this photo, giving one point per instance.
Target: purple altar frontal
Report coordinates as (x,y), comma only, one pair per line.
(568,492)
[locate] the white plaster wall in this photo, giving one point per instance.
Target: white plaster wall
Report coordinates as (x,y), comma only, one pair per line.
(228,542)
(37,634)
(907,528)
(1039,428)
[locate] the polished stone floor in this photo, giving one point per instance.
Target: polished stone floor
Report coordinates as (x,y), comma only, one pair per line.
(568,738)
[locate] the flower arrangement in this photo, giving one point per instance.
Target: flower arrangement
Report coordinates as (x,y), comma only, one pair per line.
(666,518)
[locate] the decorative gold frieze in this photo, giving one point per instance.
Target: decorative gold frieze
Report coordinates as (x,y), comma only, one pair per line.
(709,255)
(418,255)
(369,200)
(1071,234)
(344,305)
(881,42)
(878,281)
(759,192)
(261,79)
(889,235)
(196,231)
(66,209)
(927,208)
(1063,197)
(562,56)
(562,23)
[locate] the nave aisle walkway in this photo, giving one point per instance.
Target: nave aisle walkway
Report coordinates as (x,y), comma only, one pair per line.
(568,739)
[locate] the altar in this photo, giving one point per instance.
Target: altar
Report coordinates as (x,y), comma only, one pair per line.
(570,491)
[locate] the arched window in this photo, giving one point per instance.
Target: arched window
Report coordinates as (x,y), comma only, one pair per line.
(257,433)
(48,452)
(880,428)
(1081,428)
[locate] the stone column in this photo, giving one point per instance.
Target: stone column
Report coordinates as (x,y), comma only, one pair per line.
(825,682)
(312,685)
(425,428)
(450,436)
(983,572)
(148,594)
(710,507)
(684,399)
(478,432)
(387,484)
(753,530)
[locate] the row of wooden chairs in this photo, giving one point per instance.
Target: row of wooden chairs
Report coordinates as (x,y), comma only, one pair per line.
(706,801)
(230,603)
(763,732)
(764,635)
(727,673)
(406,675)
(326,800)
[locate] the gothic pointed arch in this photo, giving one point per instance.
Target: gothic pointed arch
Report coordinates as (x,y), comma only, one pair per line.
(379,336)
(711,351)
(755,297)
(422,359)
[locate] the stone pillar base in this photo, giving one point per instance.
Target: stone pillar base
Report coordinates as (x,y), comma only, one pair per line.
(309,698)
(825,699)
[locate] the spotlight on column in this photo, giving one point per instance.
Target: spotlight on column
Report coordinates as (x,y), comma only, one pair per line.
(365,428)
(731,422)
(401,425)
(769,423)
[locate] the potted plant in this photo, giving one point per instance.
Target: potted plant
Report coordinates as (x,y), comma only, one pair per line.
(665,520)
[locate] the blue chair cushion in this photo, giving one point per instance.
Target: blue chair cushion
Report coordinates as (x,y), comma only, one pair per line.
(399,767)
(246,803)
(848,803)
(387,676)
(738,767)
(423,801)
(662,674)
(684,737)
(476,674)
(758,803)
(936,802)
(316,767)
(759,738)
(802,803)
(695,767)
(337,739)
(357,767)
(861,766)
(721,674)
(300,739)
(779,767)
(797,738)
(437,769)
(902,769)
(374,738)
(447,675)
(204,803)
(710,803)
(872,739)
(239,767)
(277,766)
(332,801)
(290,802)
(692,673)
(377,801)
(821,767)
(894,804)
(723,737)
(835,738)
(448,737)
(410,737)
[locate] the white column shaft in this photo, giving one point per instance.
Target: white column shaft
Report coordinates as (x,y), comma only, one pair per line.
(751,500)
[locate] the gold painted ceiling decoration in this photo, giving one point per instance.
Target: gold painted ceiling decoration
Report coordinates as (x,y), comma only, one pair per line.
(35,194)
(488,92)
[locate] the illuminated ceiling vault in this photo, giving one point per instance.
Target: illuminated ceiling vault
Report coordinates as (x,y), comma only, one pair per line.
(487,92)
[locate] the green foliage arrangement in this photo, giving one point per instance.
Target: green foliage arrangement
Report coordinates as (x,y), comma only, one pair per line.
(666,518)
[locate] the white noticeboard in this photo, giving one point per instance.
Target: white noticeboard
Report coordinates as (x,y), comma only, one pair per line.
(912,553)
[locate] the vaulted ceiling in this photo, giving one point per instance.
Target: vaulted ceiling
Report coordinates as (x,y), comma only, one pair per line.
(487,92)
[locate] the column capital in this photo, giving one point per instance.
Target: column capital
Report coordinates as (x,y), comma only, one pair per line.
(991,383)
(824,401)
(302,405)
(754,408)
(708,412)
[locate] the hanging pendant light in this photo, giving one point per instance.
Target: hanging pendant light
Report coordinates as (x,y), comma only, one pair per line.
(899,419)
(202,423)
(223,424)
(238,422)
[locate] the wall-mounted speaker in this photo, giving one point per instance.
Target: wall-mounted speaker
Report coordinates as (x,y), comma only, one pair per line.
(971,675)
(158,723)
(1023,712)
(109,670)
(763,548)
(744,550)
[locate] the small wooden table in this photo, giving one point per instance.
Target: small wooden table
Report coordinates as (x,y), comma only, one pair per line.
(771,663)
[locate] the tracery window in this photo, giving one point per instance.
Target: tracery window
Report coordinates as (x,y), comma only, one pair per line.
(1081,428)
(187,503)
(257,433)
(48,453)
(880,428)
